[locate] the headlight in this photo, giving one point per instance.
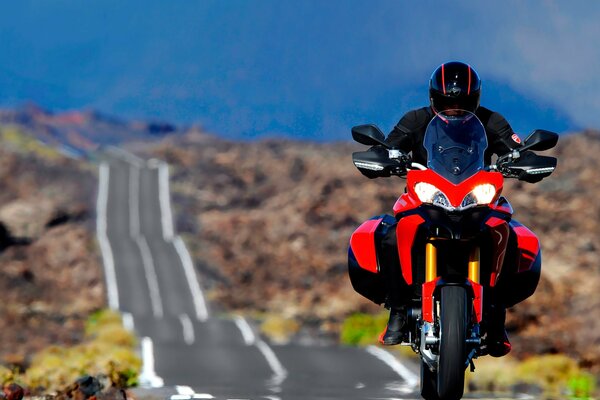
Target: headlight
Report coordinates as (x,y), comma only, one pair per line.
(428,193)
(481,194)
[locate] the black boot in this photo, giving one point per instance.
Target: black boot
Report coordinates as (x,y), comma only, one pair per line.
(497,341)
(394,332)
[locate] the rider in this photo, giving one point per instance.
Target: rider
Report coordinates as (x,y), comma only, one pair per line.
(453,85)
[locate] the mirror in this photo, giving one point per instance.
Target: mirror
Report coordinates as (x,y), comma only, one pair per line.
(540,139)
(370,135)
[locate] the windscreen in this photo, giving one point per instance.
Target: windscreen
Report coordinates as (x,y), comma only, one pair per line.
(455,141)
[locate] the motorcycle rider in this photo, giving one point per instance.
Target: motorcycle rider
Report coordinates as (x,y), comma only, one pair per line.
(453,85)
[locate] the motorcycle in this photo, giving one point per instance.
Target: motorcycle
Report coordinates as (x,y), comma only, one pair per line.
(459,248)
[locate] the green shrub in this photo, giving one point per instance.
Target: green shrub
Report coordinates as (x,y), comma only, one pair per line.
(556,374)
(363,329)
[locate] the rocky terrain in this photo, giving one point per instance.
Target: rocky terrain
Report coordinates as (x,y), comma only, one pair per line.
(50,276)
(270,222)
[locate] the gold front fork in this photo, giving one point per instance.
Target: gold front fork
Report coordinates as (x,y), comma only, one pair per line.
(474,262)
(430,262)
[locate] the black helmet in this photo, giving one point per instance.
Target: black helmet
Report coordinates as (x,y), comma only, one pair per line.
(454,85)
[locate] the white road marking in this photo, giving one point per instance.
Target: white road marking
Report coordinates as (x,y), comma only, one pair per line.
(128,323)
(151,277)
(190,274)
(186,393)
(279,372)
(148,377)
(188,329)
(244,327)
(165,202)
(184,390)
(410,377)
(105,248)
(134,201)
(169,236)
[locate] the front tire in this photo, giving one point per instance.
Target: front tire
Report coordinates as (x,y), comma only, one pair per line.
(428,383)
(454,319)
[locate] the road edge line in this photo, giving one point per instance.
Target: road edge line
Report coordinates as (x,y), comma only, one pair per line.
(112,291)
(410,377)
(244,327)
(165,202)
(250,339)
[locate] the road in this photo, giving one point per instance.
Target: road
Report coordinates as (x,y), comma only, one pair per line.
(189,353)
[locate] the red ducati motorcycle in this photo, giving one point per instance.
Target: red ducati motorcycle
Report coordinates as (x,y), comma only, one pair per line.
(460,251)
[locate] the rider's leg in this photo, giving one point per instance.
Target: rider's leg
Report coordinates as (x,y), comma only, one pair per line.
(396,288)
(497,341)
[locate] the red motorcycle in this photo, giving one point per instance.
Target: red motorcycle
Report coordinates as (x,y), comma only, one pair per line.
(460,251)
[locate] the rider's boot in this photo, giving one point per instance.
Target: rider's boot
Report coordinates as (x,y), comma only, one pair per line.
(498,344)
(394,332)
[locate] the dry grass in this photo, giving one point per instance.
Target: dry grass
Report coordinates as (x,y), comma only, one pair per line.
(108,350)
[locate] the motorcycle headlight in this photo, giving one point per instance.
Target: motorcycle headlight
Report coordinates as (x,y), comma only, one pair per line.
(428,193)
(481,194)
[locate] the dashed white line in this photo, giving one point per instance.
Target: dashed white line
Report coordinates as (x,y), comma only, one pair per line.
(105,248)
(187,393)
(190,274)
(148,377)
(128,322)
(188,329)
(410,377)
(151,277)
(181,389)
(134,201)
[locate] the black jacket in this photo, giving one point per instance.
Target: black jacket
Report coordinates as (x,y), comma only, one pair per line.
(409,132)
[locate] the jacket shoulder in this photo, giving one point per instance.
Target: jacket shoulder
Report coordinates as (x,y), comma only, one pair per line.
(415,119)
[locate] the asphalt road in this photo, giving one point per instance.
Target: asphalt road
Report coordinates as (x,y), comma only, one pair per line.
(189,353)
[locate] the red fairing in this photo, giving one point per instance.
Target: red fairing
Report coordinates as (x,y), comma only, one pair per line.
(405,232)
(455,193)
(529,247)
(503,207)
(362,243)
(406,202)
(477,300)
(499,230)
(427,299)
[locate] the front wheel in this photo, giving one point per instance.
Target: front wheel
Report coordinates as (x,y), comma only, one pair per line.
(453,319)
(428,383)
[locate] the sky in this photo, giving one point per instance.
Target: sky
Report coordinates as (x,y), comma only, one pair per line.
(301,69)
